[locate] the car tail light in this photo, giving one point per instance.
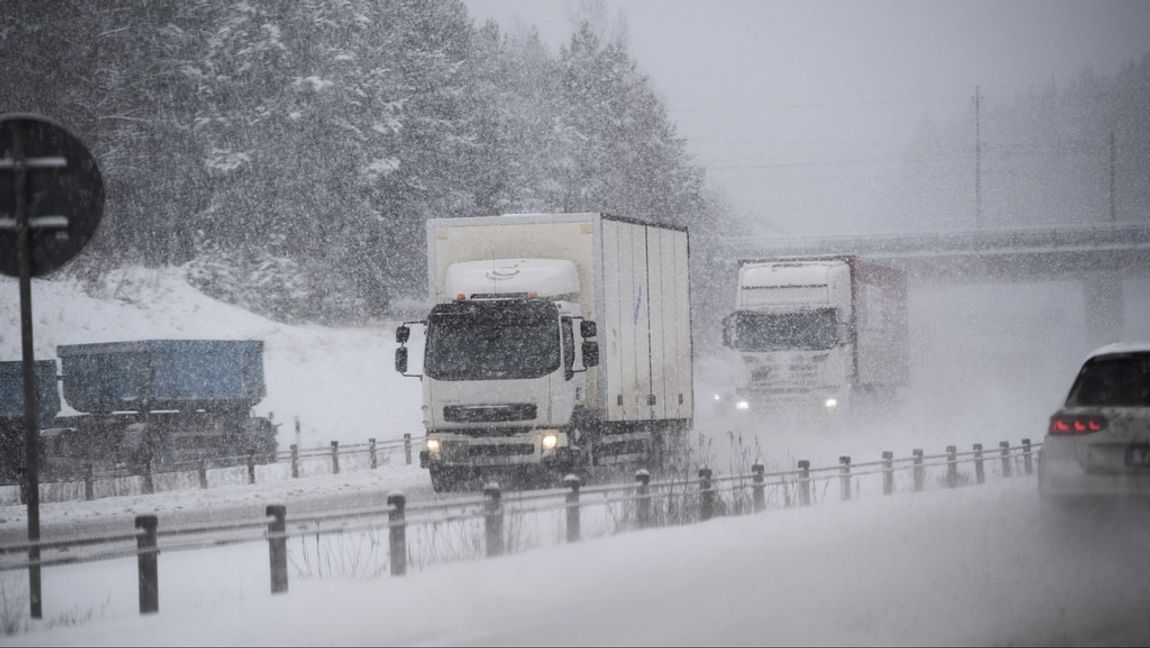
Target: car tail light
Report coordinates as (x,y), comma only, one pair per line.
(1076,424)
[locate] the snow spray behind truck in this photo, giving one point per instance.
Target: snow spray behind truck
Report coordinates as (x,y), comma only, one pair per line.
(556,342)
(818,334)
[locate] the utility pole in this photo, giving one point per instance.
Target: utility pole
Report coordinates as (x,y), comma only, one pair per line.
(1113,172)
(977,158)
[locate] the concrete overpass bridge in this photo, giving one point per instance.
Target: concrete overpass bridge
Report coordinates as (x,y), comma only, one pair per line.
(1099,256)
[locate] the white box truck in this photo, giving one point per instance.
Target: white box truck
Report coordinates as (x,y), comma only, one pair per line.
(818,334)
(508,391)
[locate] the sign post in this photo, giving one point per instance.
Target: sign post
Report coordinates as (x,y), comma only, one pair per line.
(51,200)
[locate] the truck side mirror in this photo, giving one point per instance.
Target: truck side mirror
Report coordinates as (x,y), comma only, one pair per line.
(401,360)
(587,330)
(401,334)
(590,353)
(728,340)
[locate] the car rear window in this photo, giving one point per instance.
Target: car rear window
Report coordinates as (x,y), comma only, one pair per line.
(1118,380)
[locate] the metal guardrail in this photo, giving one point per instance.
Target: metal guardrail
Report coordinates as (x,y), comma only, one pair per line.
(647,503)
(142,479)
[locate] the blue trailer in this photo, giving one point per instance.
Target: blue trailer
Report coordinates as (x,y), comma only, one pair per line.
(166,402)
(12,391)
(12,411)
(154,375)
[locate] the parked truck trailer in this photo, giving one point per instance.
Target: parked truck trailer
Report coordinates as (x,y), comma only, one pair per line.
(556,343)
(168,403)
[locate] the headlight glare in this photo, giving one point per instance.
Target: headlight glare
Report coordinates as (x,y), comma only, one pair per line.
(433,445)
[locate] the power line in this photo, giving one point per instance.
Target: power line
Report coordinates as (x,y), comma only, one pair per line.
(922,90)
(954,157)
(753,107)
(827,104)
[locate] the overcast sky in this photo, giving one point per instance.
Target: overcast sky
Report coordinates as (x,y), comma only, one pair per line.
(798,108)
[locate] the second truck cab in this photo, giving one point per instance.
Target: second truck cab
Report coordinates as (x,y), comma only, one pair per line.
(816,333)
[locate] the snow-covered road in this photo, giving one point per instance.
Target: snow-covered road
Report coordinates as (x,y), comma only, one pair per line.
(975,566)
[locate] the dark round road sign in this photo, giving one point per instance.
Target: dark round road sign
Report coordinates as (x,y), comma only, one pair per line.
(64,194)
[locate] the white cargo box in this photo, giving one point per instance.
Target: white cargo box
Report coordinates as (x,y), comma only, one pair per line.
(633,284)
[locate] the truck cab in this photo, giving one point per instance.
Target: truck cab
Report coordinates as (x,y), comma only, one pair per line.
(503,377)
(793,330)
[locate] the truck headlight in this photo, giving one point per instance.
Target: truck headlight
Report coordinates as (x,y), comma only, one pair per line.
(831,403)
(742,405)
(550,441)
(433,446)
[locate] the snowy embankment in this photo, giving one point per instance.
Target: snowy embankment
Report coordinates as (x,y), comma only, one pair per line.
(339,383)
(975,566)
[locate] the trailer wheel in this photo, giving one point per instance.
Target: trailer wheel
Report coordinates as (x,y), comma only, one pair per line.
(259,438)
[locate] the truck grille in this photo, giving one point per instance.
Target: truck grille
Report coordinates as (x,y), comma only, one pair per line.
(489,413)
(501,450)
(793,373)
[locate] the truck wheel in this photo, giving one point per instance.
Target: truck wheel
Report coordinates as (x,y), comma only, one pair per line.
(442,479)
(258,437)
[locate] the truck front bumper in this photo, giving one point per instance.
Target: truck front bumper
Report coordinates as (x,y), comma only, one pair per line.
(791,400)
(514,452)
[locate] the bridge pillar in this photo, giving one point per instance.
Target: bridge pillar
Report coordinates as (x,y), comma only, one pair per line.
(1104,306)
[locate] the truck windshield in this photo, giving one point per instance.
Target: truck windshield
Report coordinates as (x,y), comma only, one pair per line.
(1113,381)
(776,331)
(496,340)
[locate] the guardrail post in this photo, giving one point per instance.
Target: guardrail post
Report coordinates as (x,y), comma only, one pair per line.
(804,482)
(493,519)
(706,494)
(89,482)
(397,533)
(1005,445)
(979,471)
(335,457)
(277,547)
(149,482)
(407,448)
(203,469)
(251,469)
(371,451)
(887,472)
(294,461)
(758,488)
(786,494)
(146,562)
(572,482)
(844,477)
(951,466)
(22,475)
(919,470)
(643,498)
(1027,463)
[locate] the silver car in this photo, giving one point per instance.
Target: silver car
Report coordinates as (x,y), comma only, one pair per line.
(1098,443)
